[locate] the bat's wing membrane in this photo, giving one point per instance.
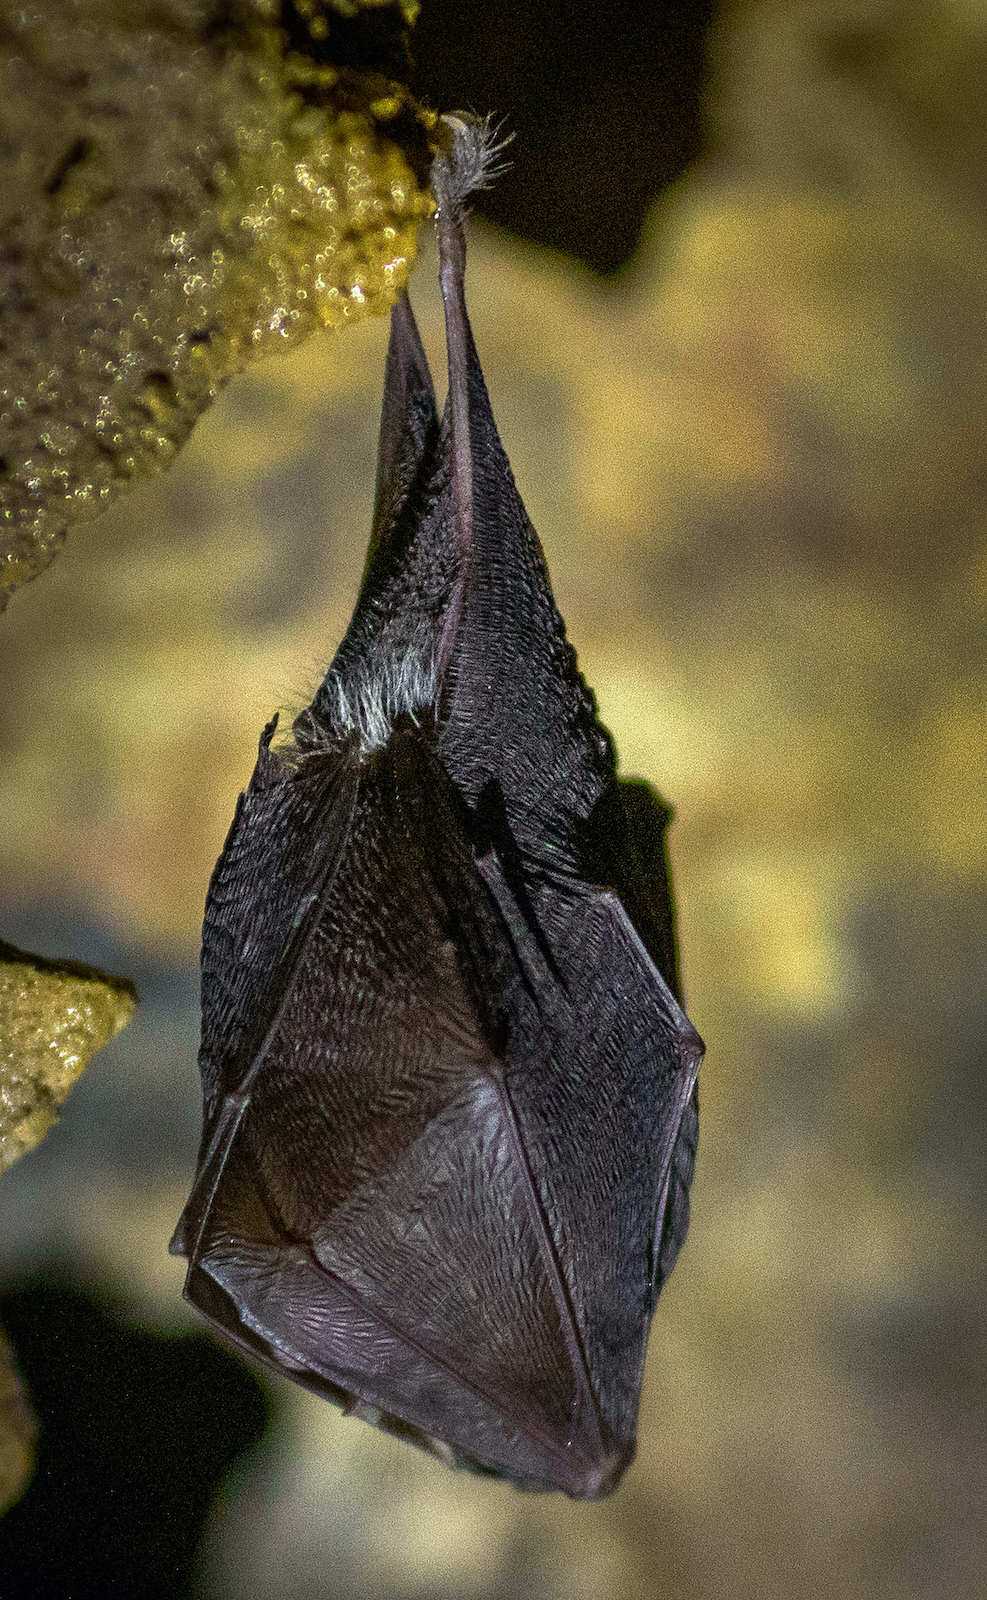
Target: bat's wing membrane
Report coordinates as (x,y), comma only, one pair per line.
(628,842)
(370,1221)
(516,709)
(250,962)
(410,564)
(602,1070)
(409,424)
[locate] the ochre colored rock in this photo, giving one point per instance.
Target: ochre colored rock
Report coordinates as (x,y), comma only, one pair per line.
(190,197)
(53,1018)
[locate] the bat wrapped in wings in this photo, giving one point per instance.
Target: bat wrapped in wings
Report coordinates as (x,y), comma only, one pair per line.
(450,1106)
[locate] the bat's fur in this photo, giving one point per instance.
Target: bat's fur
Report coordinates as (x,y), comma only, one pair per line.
(368,701)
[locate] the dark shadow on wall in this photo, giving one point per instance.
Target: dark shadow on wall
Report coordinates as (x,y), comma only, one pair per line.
(137,1430)
(604,101)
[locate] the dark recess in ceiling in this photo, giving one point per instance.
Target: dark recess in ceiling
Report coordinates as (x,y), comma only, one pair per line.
(604,101)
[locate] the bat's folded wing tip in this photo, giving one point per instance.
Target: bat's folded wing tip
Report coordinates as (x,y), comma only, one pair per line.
(333,1341)
(603,1477)
(689,1043)
(692,1046)
(178,1244)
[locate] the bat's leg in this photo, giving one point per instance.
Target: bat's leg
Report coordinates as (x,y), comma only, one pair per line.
(471,162)
(447,180)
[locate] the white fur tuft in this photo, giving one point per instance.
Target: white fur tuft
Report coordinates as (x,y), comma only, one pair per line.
(371,698)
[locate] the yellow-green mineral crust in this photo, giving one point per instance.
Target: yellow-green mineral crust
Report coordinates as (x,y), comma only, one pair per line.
(183,185)
(53,1017)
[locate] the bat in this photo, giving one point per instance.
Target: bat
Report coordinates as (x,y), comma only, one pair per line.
(450,1106)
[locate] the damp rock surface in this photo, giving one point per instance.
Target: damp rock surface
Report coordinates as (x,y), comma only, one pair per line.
(53,1018)
(183,186)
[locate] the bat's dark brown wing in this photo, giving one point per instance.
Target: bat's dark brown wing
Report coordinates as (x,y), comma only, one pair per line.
(438,1198)
(516,710)
(410,568)
(290,828)
(603,1065)
(625,845)
(409,427)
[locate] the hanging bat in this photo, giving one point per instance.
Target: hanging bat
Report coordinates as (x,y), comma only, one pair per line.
(450,1106)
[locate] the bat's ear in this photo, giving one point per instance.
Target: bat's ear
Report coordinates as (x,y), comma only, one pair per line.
(409,422)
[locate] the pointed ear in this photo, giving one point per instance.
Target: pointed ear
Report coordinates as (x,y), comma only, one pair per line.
(408,421)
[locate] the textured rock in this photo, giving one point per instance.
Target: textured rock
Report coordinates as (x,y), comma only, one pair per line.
(205,185)
(53,1017)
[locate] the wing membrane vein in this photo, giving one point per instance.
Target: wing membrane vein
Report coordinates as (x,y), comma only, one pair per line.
(567,1311)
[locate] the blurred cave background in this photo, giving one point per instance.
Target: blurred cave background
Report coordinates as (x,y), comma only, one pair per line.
(730,298)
